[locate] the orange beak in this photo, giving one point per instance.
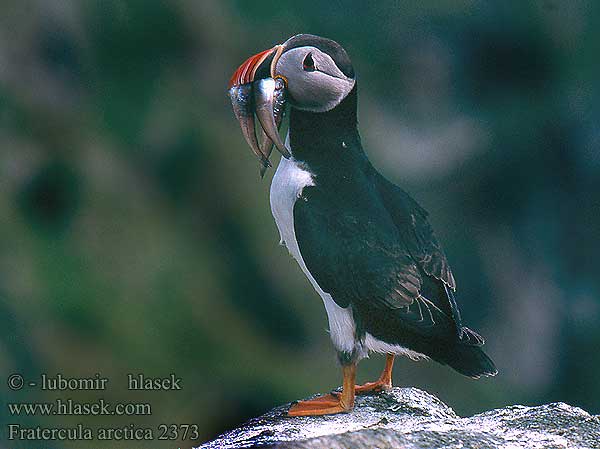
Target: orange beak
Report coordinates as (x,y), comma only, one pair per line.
(245,72)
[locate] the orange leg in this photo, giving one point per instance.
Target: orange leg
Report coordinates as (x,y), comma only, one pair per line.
(383,383)
(329,404)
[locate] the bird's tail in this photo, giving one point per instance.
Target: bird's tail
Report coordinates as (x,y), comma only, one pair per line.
(469,360)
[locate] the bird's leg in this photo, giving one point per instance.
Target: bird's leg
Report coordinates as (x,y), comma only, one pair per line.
(383,383)
(330,404)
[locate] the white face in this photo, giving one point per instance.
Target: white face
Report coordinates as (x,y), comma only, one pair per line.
(314,81)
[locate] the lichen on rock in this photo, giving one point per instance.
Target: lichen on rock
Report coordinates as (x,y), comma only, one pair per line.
(411,418)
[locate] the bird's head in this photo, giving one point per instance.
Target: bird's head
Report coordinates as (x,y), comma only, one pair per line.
(307,72)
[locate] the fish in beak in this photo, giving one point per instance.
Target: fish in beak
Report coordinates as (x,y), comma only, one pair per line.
(263,97)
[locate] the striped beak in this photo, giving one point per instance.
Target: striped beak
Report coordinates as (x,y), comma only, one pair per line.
(255,91)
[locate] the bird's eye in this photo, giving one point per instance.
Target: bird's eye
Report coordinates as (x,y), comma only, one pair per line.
(308,64)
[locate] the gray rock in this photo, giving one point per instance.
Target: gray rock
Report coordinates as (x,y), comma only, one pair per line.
(411,418)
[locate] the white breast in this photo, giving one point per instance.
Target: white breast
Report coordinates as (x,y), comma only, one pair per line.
(288,183)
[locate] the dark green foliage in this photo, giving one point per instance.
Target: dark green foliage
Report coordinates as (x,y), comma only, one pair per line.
(51,198)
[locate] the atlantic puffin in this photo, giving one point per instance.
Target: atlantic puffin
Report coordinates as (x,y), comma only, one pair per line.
(364,244)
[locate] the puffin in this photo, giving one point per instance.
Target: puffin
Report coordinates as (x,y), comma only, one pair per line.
(364,244)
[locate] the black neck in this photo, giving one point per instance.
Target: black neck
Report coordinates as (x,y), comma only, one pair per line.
(327,140)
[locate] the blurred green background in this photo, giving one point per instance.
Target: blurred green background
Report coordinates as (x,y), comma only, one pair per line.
(136,235)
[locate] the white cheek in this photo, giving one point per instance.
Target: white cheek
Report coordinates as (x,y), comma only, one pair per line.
(319,92)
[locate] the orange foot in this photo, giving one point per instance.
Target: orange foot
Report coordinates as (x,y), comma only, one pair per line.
(384,382)
(373,387)
(328,404)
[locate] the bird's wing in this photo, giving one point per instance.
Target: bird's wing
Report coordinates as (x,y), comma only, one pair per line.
(353,250)
(418,236)
(368,254)
(415,231)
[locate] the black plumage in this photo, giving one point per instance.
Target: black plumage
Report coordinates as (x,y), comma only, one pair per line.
(369,244)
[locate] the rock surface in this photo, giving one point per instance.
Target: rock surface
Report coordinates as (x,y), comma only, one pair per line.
(411,418)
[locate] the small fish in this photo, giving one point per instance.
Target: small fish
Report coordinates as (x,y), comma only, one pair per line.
(266,146)
(242,101)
